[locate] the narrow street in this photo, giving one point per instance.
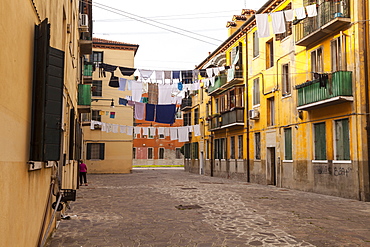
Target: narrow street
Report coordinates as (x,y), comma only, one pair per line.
(170,207)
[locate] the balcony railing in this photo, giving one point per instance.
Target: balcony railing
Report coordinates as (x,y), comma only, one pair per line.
(331,16)
(187,102)
(312,94)
(220,81)
(88,70)
(215,123)
(235,116)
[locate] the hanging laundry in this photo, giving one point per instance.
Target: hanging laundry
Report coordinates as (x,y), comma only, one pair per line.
(263,29)
(311,10)
(179,86)
(159,75)
(122,84)
(212,81)
(129,84)
(122,129)
(153,93)
(149,112)
(167,132)
(190,128)
(278,22)
(139,111)
(112,114)
(164,94)
(196,130)
(113,82)
(115,128)
(106,113)
(222,68)
(129,130)
(92,124)
(152,131)
(167,75)
(144,100)
(165,114)
(130,103)
(137,130)
(209,72)
(230,74)
(176,75)
(145,131)
(101,113)
(195,75)
(300,13)
(145,73)
(108,67)
(216,71)
(173,133)
(103,127)
(137,90)
(122,101)
(127,71)
(187,76)
(289,15)
(160,130)
(183,134)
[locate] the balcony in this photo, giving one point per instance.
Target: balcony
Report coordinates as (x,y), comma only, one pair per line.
(232,118)
(235,76)
(86,44)
(84,98)
(88,70)
(215,124)
(186,104)
(219,82)
(337,90)
(332,16)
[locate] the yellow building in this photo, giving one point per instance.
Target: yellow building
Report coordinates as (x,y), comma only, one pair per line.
(109,151)
(307,100)
(41,47)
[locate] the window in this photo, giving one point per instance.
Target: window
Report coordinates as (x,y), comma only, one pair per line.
(187,150)
(232,99)
(223,148)
(240,147)
(178,114)
(271,111)
(286,80)
(288,144)
(97,56)
(232,147)
(338,54)
(161,153)
(239,97)
(219,147)
(150,153)
(269,53)
(196,116)
(288,26)
(95,151)
(97,88)
(217,106)
(257,146)
(178,153)
(256,46)
(150,134)
(95,115)
(256,91)
(342,147)
(194,150)
(134,153)
(320,141)
(161,136)
(187,119)
(316,61)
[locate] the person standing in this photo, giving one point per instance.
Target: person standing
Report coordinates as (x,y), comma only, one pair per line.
(83,171)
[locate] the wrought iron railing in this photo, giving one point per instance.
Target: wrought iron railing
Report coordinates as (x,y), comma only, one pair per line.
(219,81)
(326,12)
(340,84)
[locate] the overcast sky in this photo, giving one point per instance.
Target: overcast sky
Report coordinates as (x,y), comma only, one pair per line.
(171,49)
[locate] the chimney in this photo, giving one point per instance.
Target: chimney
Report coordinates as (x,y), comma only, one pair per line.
(238,20)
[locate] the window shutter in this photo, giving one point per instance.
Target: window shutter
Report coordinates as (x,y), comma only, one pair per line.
(72,134)
(54,104)
(102,151)
(88,151)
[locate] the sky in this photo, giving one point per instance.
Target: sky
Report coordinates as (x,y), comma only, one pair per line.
(172,35)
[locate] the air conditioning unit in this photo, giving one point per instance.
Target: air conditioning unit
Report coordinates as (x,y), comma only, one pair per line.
(84,23)
(253,114)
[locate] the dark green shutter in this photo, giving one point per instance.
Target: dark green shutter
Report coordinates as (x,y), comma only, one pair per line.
(320,141)
(102,151)
(88,151)
(72,134)
(342,139)
(288,144)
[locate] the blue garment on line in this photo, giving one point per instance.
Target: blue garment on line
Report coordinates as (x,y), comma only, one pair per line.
(165,114)
(122,101)
(150,112)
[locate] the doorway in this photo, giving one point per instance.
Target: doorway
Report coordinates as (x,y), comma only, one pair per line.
(201,164)
(271,166)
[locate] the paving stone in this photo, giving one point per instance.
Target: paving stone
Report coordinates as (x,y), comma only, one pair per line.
(138,209)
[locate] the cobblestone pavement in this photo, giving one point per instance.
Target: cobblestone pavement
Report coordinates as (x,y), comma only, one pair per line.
(170,207)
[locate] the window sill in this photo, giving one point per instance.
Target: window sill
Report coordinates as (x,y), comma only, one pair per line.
(287,161)
(319,161)
(342,162)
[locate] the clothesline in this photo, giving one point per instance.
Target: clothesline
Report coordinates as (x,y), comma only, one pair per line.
(180,134)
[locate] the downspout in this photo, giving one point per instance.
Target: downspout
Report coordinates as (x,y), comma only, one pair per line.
(247,109)
(211,138)
(366,178)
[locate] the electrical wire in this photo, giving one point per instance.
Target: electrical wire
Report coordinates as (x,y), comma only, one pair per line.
(139,18)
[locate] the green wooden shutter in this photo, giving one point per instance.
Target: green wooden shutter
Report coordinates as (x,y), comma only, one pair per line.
(102,151)
(342,140)
(288,144)
(320,141)
(88,151)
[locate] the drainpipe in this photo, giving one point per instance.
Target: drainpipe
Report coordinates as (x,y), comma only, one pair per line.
(363,15)
(247,108)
